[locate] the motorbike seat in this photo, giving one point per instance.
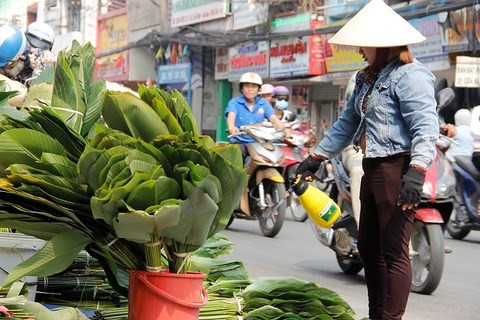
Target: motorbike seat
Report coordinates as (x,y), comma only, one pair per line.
(466,164)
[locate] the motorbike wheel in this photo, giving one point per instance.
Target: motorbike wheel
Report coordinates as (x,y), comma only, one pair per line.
(454,230)
(348,265)
(271,222)
(298,212)
(428,258)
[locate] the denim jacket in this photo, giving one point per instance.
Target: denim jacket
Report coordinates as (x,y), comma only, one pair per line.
(400,116)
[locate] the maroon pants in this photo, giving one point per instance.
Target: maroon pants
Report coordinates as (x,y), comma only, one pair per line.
(384,234)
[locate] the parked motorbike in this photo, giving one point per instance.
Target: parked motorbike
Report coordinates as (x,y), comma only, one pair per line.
(266,186)
(466,215)
(426,243)
(295,153)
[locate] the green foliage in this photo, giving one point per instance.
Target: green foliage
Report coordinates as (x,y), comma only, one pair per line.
(147,177)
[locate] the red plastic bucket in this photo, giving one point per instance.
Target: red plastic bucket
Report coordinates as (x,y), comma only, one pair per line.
(165,295)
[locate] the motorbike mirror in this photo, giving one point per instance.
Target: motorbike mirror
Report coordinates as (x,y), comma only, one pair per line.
(291,117)
(445,97)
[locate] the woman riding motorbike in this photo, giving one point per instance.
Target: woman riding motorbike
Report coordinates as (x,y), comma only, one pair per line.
(248,108)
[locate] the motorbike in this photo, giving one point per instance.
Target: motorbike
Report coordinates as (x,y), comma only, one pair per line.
(426,243)
(264,165)
(294,154)
(466,215)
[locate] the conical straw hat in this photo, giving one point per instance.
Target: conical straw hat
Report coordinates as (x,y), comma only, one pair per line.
(377,25)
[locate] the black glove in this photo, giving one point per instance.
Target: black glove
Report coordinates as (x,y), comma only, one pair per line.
(309,166)
(411,187)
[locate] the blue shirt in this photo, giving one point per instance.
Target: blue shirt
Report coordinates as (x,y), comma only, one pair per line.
(262,110)
(400,116)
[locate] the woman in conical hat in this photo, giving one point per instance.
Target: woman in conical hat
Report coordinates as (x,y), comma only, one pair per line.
(391,115)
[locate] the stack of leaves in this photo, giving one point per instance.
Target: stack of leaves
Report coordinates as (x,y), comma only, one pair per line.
(224,280)
(83,284)
(291,298)
(144,190)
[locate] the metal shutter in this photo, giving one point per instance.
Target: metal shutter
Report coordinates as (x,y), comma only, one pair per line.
(324,92)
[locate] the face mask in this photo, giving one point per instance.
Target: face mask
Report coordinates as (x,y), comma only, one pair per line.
(281,104)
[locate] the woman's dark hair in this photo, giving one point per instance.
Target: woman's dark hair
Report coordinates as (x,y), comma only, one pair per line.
(385,55)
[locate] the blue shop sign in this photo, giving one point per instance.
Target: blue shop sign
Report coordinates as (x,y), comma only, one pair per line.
(174,73)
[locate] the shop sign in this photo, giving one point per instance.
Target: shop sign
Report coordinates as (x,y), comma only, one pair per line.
(317,53)
(112,67)
(467,72)
(248,14)
(221,64)
(341,58)
(289,57)
(298,56)
(249,57)
(296,22)
(431,50)
(112,34)
(174,73)
(187,12)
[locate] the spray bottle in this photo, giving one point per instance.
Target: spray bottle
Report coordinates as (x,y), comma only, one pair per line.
(319,207)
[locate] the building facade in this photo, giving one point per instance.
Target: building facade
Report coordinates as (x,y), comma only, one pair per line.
(201,47)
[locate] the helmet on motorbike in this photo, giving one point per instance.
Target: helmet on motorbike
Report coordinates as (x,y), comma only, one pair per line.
(281,95)
(12,44)
(267,88)
(462,117)
(250,77)
(40,35)
(281,91)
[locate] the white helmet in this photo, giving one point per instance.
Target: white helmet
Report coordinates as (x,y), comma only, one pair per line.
(251,77)
(40,35)
(267,88)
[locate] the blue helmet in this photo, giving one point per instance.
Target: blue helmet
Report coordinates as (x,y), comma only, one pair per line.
(13,44)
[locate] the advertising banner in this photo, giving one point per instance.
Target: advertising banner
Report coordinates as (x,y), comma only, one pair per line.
(459,30)
(222,65)
(341,58)
(289,57)
(296,22)
(249,57)
(430,52)
(187,12)
(316,52)
(112,34)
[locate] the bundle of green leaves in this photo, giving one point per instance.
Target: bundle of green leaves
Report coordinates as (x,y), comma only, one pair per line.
(142,189)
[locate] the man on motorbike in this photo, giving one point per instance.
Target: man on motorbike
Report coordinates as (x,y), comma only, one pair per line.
(280,97)
(462,144)
(34,55)
(451,131)
(13,45)
(248,108)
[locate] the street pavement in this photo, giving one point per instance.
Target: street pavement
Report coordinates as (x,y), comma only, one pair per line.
(296,252)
